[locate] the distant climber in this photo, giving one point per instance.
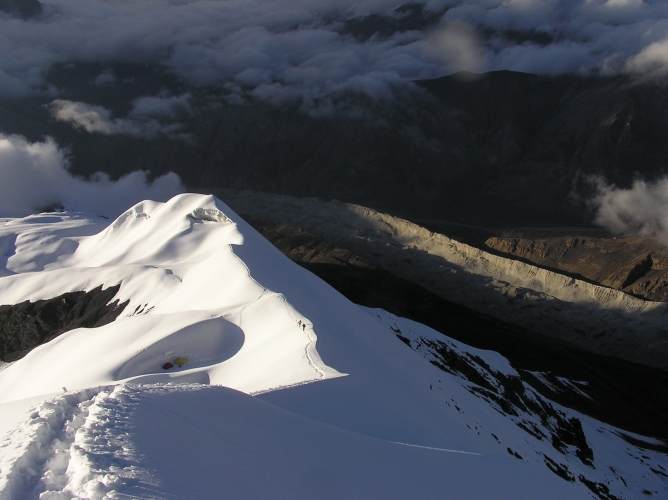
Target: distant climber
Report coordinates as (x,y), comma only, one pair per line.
(303,327)
(180,361)
(167,366)
(300,322)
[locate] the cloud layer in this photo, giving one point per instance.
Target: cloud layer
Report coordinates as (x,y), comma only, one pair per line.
(35,175)
(641,210)
(300,49)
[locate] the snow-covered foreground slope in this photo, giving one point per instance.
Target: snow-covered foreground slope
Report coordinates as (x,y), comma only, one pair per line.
(103,419)
(198,442)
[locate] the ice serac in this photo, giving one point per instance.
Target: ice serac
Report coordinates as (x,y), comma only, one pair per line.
(189,296)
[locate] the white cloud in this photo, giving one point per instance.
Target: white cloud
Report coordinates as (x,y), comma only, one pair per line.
(86,116)
(458,46)
(149,116)
(651,61)
(35,175)
(105,78)
(641,210)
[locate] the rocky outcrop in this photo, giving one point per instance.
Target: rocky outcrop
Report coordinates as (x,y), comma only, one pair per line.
(303,247)
(27,325)
(638,266)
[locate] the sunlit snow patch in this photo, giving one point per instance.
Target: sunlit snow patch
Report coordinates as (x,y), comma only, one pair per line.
(190,296)
(130,213)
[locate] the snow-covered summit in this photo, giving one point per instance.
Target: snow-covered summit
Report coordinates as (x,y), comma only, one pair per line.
(189,296)
(100,413)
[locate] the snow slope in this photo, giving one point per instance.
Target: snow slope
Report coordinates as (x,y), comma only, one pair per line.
(103,419)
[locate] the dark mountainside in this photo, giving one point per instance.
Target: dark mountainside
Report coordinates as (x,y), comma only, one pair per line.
(499,149)
(27,325)
(619,392)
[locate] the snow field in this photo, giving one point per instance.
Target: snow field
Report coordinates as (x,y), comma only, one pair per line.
(54,455)
(193,441)
(628,471)
(204,285)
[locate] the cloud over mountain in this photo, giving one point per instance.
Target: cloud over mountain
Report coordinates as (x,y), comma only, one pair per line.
(307,50)
(640,210)
(35,175)
(146,118)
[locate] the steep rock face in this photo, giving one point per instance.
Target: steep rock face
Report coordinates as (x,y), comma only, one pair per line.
(303,247)
(530,140)
(26,325)
(501,149)
(638,266)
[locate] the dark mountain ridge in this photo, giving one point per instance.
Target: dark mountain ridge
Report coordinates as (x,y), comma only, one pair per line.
(499,149)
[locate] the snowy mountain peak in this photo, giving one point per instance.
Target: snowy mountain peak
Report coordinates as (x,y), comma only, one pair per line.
(134,406)
(189,296)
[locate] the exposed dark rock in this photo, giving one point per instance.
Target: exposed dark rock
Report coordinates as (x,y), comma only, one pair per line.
(560,470)
(27,325)
(599,489)
(570,432)
(453,362)
(301,246)
(661,448)
(639,270)
(508,395)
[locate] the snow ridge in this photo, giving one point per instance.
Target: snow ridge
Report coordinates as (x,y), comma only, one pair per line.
(136,423)
(189,295)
